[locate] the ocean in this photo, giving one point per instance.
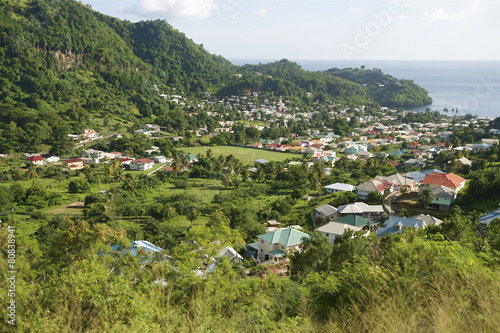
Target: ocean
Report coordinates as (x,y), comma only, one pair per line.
(469,86)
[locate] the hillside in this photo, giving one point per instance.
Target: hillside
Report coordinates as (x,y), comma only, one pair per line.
(63,67)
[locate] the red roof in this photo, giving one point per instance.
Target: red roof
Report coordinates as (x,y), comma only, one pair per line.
(440,144)
(115,152)
(441,179)
(171,169)
(124,159)
(34,158)
(143,160)
(75,160)
(416,144)
(256,144)
(396,164)
(73,165)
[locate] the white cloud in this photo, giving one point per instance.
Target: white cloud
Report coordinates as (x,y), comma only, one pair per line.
(185,10)
(440,15)
(352,10)
(260,12)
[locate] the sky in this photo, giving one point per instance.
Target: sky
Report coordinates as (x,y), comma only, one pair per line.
(327,29)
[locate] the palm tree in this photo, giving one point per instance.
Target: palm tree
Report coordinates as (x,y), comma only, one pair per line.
(119,175)
(130,183)
(426,197)
(31,173)
(192,215)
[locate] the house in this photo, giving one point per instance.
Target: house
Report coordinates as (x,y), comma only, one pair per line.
(276,244)
(231,253)
(364,155)
(141,164)
(428,219)
(358,221)
(125,160)
(373,185)
(450,180)
(400,181)
(151,127)
(479,147)
(92,153)
(334,229)
(35,159)
(159,159)
(53,159)
(487,218)
(353,148)
(324,213)
(339,187)
(412,162)
(395,225)
(360,208)
(74,164)
(256,145)
(443,197)
(463,161)
(146,251)
(260,161)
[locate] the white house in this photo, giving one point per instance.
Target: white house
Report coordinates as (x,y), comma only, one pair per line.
(334,229)
(339,187)
(141,164)
(35,159)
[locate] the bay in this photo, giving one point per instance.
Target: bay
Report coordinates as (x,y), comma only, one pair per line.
(469,86)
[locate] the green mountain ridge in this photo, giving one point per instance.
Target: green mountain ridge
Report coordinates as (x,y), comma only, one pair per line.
(62,64)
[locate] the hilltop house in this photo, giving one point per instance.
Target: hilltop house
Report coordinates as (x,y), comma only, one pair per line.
(274,245)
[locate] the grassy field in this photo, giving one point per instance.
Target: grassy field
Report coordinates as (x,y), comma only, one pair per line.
(245,155)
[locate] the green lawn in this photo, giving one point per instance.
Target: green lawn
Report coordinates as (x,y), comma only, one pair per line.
(245,155)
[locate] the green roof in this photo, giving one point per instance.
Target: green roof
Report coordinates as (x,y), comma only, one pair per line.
(286,237)
(354,220)
(277,253)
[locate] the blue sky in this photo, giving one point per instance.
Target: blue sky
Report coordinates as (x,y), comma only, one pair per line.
(328,29)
